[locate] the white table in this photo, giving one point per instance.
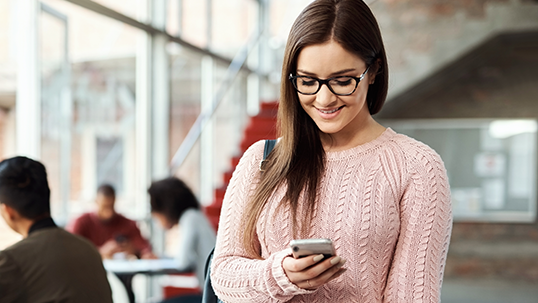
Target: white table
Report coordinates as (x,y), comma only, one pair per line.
(144,266)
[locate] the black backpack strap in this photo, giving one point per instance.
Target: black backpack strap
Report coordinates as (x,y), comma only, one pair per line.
(208,264)
(269,145)
(208,295)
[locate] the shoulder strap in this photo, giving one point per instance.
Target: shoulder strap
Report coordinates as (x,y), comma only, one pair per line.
(269,145)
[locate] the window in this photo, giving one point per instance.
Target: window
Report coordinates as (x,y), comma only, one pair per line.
(491,165)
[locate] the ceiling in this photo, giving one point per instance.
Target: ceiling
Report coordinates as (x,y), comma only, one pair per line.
(499,78)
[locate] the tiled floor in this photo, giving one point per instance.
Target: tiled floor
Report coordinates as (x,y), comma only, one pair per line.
(488,291)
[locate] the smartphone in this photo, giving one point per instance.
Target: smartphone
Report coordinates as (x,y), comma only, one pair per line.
(120,239)
(306,247)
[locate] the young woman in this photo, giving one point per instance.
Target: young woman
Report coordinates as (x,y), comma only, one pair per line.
(172,202)
(383,198)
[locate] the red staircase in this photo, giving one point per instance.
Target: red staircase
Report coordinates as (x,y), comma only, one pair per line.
(259,127)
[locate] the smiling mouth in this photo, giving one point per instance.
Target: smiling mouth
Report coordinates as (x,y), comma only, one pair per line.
(330,111)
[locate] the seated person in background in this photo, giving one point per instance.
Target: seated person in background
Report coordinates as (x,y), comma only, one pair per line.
(111,232)
(49,264)
(172,202)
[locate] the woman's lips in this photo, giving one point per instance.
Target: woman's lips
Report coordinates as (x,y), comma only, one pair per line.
(329,113)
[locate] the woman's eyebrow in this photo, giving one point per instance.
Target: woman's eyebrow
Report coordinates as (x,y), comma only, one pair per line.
(331,75)
(305,72)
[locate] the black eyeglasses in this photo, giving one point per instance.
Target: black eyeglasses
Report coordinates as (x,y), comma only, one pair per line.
(341,85)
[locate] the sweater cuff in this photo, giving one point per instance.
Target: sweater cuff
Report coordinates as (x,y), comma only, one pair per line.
(282,279)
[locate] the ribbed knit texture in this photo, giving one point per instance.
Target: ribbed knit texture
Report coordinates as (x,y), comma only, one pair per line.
(386,206)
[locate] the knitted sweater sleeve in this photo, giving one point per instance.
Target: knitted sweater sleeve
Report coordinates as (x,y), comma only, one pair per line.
(425,225)
(235,276)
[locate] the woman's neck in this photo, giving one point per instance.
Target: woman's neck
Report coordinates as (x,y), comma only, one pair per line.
(368,131)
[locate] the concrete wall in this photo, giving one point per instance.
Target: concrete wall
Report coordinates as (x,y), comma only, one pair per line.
(423,36)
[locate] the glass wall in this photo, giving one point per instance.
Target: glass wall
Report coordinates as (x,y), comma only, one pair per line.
(197,80)
(97,97)
(8,86)
(55,105)
(8,55)
(207,23)
(227,37)
(186,91)
(193,21)
(88,108)
(128,8)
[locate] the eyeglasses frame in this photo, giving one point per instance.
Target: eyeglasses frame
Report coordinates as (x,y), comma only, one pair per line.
(326,82)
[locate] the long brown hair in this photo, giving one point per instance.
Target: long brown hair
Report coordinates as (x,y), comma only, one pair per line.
(298,160)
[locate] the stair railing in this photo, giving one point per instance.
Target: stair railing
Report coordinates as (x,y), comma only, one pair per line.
(206,115)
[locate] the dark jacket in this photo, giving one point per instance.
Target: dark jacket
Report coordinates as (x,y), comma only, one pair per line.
(53,266)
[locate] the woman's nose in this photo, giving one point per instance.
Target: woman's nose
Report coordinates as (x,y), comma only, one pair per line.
(325,97)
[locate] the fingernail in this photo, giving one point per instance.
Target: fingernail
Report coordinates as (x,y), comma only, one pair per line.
(335,260)
(343,262)
(318,258)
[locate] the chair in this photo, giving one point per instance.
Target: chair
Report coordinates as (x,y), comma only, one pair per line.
(119,293)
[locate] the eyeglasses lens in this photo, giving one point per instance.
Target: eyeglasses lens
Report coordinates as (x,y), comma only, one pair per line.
(343,85)
(339,85)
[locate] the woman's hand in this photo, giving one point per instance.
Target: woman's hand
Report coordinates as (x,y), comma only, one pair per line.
(310,273)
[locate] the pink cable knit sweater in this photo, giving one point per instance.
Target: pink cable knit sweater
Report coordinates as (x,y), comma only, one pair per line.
(386,206)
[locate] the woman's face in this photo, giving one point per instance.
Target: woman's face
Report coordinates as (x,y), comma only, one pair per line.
(333,114)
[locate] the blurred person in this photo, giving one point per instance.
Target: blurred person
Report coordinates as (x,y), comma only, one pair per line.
(382,197)
(49,264)
(172,203)
(112,233)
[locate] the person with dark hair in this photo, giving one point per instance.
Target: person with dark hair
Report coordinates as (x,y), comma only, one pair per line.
(111,232)
(49,264)
(172,203)
(381,197)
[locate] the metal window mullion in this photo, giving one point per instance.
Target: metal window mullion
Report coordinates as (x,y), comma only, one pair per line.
(209,19)
(144,72)
(265,60)
(180,17)
(28,104)
(160,82)
(161,94)
(207,136)
(66,114)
